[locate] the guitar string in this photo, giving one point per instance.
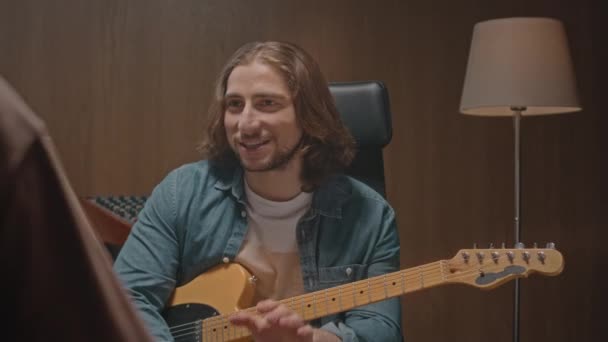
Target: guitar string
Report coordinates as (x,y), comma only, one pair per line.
(222,321)
(375,283)
(186,329)
(241,334)
(187,337)
(231,332)
(378,283)
(434,267)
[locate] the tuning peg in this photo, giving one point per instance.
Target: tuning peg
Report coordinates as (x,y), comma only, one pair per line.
(491,245)
(511,256)
(474,245)
(495,256)
(503,245)
(465,256)
(480,256)
(550,245)
(541,257)
(520,245)
(526,256)
(535,245)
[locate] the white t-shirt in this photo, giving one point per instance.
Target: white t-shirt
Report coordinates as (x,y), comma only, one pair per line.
(270,249)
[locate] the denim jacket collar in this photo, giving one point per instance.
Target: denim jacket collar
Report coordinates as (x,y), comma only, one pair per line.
(327,199)
(234,183)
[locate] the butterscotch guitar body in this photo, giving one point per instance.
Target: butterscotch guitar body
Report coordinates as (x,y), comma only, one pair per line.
(220,291)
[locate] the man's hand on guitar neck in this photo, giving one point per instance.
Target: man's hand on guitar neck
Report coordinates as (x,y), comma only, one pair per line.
(276,322)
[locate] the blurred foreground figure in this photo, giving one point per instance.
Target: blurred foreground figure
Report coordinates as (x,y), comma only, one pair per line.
(57,278)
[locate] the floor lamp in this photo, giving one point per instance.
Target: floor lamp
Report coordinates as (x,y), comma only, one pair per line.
(519,67)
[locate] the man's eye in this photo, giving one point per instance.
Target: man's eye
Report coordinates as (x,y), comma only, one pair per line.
(267,103)
(233,104)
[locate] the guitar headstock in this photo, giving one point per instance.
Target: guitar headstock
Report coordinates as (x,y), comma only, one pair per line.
(488,268)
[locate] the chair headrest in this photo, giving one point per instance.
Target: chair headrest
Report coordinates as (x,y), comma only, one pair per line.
(365,109)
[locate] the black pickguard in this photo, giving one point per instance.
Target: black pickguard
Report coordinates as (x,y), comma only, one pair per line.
(182,314)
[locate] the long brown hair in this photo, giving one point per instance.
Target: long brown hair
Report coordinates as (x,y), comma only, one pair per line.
(327,144)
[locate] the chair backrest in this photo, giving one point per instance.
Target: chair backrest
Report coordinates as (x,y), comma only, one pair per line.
(365,109)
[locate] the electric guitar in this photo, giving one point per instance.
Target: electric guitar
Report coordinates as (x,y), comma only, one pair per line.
(199,310)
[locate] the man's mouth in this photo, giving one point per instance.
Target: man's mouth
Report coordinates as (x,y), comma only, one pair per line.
(251,146)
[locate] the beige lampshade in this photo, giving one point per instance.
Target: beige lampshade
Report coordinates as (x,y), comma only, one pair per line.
(519,62)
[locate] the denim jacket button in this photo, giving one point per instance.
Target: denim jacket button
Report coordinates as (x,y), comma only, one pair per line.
(226,260)
(349,271)
(243,213)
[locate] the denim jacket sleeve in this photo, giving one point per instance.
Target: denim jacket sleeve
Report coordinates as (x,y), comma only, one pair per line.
(148,261)
(380,321)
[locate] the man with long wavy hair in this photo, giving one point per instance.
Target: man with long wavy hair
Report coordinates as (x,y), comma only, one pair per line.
(269,195)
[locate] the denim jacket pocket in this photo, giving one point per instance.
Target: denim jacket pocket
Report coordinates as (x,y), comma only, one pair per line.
(338,275)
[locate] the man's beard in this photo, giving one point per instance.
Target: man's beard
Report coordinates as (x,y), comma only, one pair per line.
(278,162)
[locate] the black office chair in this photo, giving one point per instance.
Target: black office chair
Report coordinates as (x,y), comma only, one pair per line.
(365,109)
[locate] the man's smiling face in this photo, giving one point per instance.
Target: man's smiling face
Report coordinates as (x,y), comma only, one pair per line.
(260,118)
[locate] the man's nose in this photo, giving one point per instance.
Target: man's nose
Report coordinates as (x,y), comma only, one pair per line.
(249,121)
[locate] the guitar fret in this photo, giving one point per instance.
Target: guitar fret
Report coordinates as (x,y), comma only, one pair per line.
(369,291)
(385,289)
(326,303)
(340,298)
(203,329)
(222,330)
(207,333)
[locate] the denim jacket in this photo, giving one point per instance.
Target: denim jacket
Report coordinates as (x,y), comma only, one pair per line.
(196,219)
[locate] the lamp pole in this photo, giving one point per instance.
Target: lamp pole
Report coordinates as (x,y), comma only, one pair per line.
(517,223)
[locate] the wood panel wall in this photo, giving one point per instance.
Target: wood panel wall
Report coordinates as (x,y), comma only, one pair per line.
(124,84)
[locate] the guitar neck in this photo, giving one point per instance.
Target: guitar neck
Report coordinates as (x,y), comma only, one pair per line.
(345,297)
(342,298)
